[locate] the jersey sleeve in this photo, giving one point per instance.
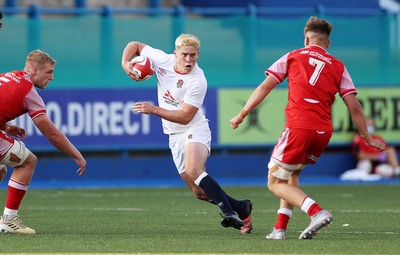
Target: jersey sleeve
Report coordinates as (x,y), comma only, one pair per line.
(34,103)
(158,57)
(197,92)
(346,84)
(279,68)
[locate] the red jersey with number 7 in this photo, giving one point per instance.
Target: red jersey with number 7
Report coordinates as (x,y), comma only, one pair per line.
(314,78)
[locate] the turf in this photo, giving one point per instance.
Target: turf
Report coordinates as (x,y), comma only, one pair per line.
(171,221)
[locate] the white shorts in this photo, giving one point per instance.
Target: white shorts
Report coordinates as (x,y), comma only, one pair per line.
(200,133)
(16,155)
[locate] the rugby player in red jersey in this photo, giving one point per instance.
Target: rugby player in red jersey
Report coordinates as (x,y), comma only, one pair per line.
(314,79)
(18,95)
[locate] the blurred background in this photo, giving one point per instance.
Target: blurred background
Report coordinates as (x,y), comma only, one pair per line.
(91,96)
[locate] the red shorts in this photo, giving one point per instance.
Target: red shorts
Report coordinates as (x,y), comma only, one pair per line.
(296,146)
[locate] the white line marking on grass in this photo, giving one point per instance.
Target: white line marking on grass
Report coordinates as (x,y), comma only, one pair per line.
(388,210)
(90,209)
(121,209)
(364,233)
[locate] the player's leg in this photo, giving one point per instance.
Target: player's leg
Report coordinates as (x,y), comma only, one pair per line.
(293,195)
(197,191)
(285,213)
(278,184)
(177,145)
(195,158)
(393,160)
(242,207)
(295,146)
(319,218)
(24,163)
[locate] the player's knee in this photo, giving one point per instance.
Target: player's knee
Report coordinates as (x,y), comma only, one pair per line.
(32,159)
(276,176)
(30,162)
(193,173)
(273,184)
(278,172)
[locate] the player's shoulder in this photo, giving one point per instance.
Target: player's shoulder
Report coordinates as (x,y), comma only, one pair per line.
(18,76)
(199,73)
(301,51)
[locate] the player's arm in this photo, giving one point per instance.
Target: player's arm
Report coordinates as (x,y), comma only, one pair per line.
(183,116)
(13,130)
(131,50)
(357,115)
(254,100)
(59,140)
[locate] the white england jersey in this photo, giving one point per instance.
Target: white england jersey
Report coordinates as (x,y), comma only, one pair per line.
(174,88)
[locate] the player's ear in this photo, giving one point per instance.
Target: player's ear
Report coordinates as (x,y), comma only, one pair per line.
(328,43)
(35,70)
(306,41)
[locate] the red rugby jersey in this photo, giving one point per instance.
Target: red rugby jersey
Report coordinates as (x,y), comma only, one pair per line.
(314,78)
(18,96)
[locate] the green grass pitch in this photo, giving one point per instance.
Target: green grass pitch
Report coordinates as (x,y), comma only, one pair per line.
(171,221)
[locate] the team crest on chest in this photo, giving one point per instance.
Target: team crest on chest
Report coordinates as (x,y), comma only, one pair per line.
(179,83)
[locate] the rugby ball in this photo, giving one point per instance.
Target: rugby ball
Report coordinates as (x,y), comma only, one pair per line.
(143,68)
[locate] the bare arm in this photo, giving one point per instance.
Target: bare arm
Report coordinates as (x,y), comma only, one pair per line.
(131,50)
(59,140)
(358,117)
(183,116)
(258,95)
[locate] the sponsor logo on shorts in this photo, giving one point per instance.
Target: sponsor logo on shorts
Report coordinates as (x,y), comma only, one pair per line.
(312,157)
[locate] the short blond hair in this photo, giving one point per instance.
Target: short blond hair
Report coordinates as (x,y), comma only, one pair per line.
(37,59)
(187,40)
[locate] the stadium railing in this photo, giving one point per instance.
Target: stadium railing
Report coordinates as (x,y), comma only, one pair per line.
(35,11)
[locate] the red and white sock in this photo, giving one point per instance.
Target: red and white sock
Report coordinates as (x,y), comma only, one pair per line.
(16,192)
(284,215)
(310,207)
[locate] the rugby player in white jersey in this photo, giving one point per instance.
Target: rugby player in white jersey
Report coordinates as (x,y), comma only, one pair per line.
(182,87)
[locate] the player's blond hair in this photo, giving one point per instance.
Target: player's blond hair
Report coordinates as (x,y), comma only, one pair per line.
(187,40)
(37,59)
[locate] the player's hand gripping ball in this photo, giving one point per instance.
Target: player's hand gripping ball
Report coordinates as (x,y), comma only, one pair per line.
(142,67)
